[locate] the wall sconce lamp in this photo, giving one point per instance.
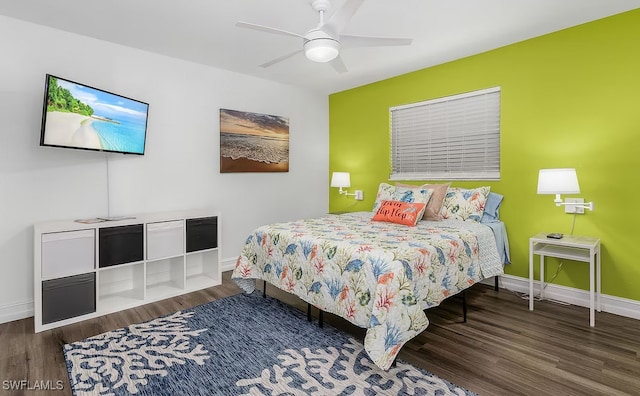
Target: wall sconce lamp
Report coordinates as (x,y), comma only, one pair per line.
(343,180)
(562,181)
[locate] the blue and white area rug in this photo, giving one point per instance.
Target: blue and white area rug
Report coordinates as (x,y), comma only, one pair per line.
(244,344)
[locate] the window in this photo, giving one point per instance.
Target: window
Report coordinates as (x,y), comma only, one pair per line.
(451,138)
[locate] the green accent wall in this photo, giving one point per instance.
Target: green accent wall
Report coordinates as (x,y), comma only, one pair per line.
(569,99)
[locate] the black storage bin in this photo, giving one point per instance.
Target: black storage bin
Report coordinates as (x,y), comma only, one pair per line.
(119,245)
(202,233)
(68,297)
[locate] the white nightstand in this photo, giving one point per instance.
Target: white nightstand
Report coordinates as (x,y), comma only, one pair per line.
(578,248)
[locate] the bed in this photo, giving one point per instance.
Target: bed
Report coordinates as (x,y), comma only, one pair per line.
(378,275)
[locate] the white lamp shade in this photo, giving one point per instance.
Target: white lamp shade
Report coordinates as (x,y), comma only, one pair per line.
(558,181)
(321,49)
(341,179)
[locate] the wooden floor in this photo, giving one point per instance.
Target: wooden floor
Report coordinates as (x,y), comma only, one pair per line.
(503,349)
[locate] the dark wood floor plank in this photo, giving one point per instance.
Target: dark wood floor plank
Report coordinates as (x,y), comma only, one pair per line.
(503,349)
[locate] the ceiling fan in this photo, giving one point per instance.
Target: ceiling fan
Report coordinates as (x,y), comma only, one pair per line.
(323,43)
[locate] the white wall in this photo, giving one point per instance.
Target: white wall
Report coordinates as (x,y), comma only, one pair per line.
(181,167)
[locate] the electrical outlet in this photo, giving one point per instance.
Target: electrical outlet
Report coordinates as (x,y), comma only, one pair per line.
(572,208)
(359,195)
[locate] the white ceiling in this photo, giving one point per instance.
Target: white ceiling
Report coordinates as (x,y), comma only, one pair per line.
(204,31)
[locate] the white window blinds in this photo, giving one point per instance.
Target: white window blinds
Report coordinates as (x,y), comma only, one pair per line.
(451,138)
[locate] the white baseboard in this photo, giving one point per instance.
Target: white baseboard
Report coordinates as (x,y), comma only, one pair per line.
(16,310)
(228,264)
(611,304)
(615,305)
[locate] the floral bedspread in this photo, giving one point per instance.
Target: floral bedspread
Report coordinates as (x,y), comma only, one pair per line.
(378,275)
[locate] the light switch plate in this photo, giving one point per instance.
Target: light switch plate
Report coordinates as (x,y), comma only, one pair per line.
(572,208)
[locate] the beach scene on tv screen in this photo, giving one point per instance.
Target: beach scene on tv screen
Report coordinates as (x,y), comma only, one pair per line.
(84,117)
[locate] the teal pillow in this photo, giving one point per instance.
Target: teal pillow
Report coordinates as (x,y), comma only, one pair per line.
(491,208)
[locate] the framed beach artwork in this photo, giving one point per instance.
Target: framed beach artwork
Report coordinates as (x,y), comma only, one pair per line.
(253,142)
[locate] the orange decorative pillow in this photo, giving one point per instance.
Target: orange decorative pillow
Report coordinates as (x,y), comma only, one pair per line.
(407,213)
(432,212)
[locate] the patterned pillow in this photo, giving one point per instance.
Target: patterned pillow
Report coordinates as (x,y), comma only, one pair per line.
(464,204)
(387,192)
(432,212)
(407,213)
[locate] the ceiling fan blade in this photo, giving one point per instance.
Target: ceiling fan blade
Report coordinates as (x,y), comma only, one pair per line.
(280,58)
(338,65)
(267,29)
(339,20)
(364,41)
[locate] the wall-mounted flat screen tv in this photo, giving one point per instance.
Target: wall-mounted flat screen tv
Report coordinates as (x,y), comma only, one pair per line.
(81,117)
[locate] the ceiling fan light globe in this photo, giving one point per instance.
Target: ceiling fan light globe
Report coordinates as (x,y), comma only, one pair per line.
(322,49)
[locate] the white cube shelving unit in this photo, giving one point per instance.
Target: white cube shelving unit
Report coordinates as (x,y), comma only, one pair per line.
(86,270)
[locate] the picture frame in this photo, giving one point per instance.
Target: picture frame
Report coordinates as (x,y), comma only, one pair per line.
(253,142)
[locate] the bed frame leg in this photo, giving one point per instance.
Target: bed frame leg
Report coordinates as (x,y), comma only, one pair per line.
(264,289)
(320,315)
(495,286)
(464,306)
